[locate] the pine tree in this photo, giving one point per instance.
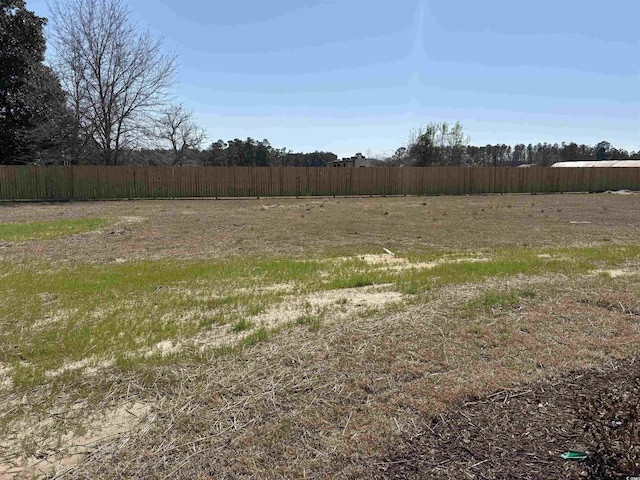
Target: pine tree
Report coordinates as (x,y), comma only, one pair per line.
(33,115)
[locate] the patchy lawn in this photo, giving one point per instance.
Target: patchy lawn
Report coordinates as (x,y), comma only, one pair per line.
(298,338)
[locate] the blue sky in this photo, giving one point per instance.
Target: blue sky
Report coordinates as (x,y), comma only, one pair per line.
(355,76)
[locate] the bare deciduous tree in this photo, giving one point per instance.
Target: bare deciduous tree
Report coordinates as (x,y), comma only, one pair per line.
(115,74)
(437,144)
(456,143)
(175,125)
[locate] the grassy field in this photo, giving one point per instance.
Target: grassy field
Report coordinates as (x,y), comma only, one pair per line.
(293,338)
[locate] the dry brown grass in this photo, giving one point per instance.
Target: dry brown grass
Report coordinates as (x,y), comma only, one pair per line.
(304,227)
(333,401)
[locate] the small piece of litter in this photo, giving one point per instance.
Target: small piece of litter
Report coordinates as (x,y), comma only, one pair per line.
(389,251)
(574,455)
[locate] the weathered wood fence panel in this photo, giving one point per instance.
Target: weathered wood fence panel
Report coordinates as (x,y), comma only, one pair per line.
(87,182)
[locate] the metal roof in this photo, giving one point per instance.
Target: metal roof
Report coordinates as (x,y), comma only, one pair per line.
(600,163)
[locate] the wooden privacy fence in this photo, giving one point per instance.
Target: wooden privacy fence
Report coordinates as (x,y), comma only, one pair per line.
(88,182)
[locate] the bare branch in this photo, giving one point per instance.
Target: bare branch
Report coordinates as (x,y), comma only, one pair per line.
(116,75)
(175,125)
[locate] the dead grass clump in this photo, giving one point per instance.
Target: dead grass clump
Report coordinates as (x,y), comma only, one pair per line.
(334,401)
(623,302)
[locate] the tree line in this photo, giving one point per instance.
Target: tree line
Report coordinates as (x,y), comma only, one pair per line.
(250,152)
(443,144)
(106,99)
(236,152)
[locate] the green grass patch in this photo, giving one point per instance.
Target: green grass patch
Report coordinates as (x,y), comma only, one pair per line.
(52,316)
(259,335)
(409,287)
(502,300)
(255,310)
(519,261)
(16,232)
(242,325)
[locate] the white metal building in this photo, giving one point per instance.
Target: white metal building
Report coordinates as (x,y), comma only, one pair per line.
(601,163)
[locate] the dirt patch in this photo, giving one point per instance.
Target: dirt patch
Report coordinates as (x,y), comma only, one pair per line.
(616,272)
(516,433)
(90,366)
(334,305)
(276,288)
(383,259)
(54,456)
(54,315)
(164,348)
(390,261)
(5,377)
